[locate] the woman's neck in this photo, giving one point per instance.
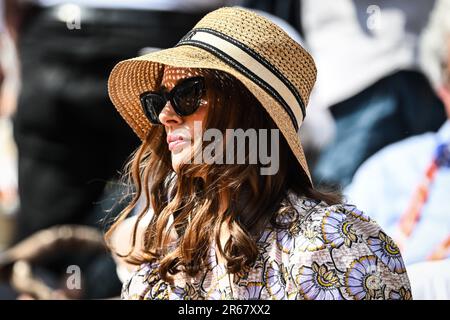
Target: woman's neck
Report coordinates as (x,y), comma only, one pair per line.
(224,229)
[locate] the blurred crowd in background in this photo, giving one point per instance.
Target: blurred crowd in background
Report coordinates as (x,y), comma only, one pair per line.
(377,127)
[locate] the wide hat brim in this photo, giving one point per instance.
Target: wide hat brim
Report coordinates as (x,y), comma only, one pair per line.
(130,78)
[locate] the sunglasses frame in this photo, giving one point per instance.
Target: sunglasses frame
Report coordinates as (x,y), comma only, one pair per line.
(152,113)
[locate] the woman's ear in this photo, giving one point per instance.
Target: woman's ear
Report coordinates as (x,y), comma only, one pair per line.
(444,94)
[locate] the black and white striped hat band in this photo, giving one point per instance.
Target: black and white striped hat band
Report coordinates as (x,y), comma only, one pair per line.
(252,65)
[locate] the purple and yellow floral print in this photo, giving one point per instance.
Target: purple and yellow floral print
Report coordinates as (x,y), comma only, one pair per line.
(330,253)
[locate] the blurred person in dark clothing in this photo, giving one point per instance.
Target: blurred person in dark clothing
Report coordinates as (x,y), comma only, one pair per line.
(70,141)
(369,78)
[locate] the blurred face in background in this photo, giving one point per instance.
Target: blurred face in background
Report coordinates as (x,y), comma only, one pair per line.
(444,90)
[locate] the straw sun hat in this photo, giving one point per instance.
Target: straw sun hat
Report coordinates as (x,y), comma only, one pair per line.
(274,68)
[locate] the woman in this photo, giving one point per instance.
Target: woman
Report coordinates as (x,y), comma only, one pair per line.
(223,228)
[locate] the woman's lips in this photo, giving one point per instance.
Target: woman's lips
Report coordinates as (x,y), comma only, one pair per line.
(176,141)
(176,144)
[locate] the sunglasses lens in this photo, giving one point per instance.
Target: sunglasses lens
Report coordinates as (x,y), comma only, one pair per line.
(187,96)
(152,105)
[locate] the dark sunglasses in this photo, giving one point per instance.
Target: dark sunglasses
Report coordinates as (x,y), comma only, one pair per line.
(185,99)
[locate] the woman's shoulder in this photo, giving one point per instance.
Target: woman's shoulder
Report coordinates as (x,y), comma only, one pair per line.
(343,227)
(338,252)
(336,223)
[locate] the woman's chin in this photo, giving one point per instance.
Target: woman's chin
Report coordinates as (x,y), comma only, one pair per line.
(179,157)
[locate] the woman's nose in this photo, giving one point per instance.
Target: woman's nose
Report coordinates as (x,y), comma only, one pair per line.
(168,116)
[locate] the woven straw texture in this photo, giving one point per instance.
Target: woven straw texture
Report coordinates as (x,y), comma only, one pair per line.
(130,78)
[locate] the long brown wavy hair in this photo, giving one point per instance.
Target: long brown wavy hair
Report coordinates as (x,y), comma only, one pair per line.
(192,196)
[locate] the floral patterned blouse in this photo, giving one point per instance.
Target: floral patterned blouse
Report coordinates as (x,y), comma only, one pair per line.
(333,252)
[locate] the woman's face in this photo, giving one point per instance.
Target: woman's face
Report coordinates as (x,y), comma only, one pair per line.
(180,129)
